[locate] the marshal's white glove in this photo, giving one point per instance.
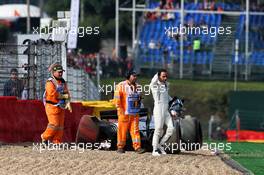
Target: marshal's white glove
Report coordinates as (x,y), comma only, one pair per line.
(68,106)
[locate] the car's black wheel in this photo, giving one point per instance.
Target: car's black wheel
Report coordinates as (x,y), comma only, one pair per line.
(172,145)
(191,134)
(108,131)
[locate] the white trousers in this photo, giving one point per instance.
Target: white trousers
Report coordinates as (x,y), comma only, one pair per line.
(161,116)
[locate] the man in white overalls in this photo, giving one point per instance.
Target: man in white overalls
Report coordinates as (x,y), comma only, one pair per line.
(159,89)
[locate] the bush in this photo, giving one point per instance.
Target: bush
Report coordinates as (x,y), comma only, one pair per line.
(4,32)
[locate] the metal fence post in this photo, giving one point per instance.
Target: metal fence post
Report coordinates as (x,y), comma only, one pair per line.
(31,70)
(237,125)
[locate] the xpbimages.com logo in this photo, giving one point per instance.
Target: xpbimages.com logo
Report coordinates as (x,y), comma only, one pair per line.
(174,147)
(80,147)
(174,31)
(142,89)
(80,31)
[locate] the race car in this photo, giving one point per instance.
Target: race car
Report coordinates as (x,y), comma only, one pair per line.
(187,134)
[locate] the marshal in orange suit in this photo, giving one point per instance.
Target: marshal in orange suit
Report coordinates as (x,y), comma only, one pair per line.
(127,100)
(56,99)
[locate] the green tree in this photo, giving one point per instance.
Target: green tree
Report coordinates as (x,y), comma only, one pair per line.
(51,7)
(97,13)
(4,32)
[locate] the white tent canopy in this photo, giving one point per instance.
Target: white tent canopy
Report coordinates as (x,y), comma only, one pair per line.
(18,10)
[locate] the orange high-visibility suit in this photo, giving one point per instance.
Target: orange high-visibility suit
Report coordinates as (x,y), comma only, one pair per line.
(127,100)
(54,110)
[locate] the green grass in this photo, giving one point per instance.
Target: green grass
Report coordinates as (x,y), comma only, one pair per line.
(249,155)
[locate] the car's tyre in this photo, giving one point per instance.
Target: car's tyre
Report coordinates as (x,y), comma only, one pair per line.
(88,131)
(107,131)
(172,145)
(191,134)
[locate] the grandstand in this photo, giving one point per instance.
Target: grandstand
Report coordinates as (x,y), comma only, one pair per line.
(215,57)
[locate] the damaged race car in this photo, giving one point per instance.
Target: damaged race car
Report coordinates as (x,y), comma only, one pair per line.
(187,133)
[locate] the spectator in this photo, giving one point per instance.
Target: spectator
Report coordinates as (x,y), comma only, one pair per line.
(190,23)
(159,45)
(114,55)
(162,4)
(219,9)
(203,24)
(209,5)
(129,65)
(14,86)
(169,6)
(113,65)
(24,95)
(196,45)
(152,44)
(165,57)
(151,16)
(110,67)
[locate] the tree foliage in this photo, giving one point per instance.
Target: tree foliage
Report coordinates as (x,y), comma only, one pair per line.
(4,32)
(97,13)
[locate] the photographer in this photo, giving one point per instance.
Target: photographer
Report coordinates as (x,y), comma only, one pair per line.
(14,86)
